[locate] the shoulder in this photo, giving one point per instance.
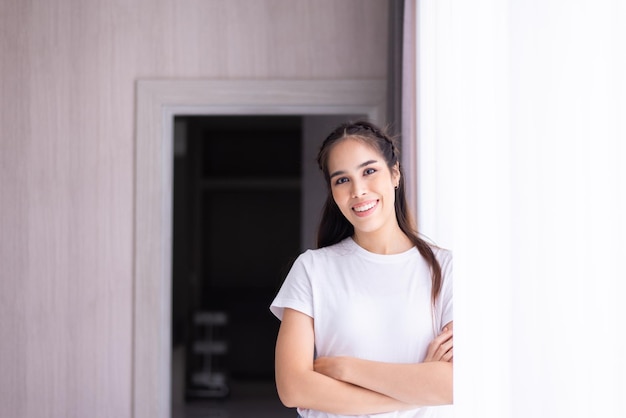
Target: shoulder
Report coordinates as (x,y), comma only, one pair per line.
(332,252)
(444,257)
(442,254)
(321,260)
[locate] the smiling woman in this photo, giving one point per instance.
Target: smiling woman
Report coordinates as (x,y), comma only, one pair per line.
(367,317)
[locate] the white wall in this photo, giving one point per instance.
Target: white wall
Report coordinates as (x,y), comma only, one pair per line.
(67,80)
(525,103)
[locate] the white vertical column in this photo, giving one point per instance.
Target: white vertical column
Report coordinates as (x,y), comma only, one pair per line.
(520,154)
(464,188)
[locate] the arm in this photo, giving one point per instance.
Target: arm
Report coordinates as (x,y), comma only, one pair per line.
(428,383)
(298,384)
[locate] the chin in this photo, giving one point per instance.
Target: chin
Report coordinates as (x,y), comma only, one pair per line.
(366,229)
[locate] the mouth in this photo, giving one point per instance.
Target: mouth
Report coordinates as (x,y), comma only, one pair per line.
(365,208)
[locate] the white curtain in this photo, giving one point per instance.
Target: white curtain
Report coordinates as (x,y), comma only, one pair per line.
(521,166)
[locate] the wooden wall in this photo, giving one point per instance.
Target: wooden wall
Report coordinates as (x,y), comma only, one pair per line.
(68,70)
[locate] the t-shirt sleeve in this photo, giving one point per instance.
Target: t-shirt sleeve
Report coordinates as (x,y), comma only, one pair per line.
(296,292)
(446,288)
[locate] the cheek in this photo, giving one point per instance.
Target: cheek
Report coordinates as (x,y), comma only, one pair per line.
(340,199)
(336,197)
(390,193)
(339,192)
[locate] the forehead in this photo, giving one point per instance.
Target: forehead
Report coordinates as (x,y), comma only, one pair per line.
(350,152)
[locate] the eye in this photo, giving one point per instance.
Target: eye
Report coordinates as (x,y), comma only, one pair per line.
(341,180)
(369,171)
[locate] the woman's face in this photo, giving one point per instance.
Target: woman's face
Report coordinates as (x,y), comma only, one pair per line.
(362,185)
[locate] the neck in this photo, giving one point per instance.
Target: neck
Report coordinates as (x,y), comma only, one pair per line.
(383,242)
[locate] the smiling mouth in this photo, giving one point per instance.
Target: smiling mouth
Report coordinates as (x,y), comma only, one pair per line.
(363,209)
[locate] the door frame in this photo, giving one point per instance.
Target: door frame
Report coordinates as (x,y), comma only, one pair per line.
(158,102)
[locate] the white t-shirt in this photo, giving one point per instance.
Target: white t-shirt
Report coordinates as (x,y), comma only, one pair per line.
(366,305)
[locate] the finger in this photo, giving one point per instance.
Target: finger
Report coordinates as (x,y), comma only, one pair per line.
(442,349)
(440,354)
(436,343)
(439,345)
(435,354)
(445,334)
(447,345)
(448,356)
(442,339)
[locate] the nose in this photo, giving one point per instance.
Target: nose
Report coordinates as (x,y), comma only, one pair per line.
(358,188)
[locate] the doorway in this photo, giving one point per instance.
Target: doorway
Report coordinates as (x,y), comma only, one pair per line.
(237,229)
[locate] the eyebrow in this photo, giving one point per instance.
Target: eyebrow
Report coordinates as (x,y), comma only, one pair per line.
(340,172)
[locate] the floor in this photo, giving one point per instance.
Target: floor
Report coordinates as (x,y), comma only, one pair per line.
(247,399)
(256,399)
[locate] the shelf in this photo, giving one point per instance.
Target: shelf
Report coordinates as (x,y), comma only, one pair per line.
(215,318)
(210,347)
(209,385)
(252,184)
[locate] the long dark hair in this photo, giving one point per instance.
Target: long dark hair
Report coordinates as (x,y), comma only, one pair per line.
(334,227)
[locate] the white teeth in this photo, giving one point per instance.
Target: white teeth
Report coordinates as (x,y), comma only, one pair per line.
(365,207)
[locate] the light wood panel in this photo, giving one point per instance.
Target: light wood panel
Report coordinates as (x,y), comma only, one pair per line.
(68,70)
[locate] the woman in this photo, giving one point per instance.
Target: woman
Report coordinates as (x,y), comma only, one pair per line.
(367,317)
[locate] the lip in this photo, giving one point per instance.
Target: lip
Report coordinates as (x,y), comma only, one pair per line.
(366,212)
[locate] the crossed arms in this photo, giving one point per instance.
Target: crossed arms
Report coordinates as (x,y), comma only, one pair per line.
(352,386)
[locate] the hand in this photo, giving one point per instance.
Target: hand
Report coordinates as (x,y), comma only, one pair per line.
(442,347)
(331,366)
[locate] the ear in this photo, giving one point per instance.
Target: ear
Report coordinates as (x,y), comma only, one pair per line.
(395,175)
